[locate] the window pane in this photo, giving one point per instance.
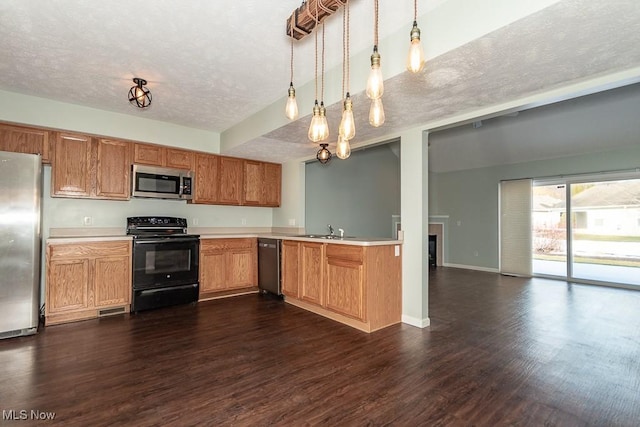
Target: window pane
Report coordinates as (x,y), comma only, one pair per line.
(549,215)
(606,231)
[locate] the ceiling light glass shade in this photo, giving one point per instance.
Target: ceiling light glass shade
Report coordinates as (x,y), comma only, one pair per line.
(323,154)
(376,113)
(291,110)
(324,125)
(347,127)
(140,95)
(343,148)
(415,60)
(375,82)
(314,129)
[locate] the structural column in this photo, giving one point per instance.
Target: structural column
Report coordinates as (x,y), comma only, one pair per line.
(415,225)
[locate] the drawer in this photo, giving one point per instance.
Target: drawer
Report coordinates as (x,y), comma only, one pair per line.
(89,249)
(345,252)
(225,244)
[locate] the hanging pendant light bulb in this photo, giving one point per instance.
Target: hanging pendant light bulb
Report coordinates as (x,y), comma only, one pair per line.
(314,129)
(347,125)
(343,148)
(323,129)
(291,109)
(415,60)
(375,82)
(376,113)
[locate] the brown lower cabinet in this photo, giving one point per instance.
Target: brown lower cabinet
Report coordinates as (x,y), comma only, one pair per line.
(86,280)
(360,286)
(227,265)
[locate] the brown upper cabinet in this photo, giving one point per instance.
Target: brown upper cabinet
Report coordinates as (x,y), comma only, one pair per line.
(158,155)
(86,167)
(262,183)
(206,179)
(230,180)
(20,139)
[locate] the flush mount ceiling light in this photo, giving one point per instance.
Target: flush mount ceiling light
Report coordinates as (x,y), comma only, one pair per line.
(139,95)
(323,154)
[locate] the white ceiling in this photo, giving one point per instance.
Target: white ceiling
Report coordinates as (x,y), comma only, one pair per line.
(213,64)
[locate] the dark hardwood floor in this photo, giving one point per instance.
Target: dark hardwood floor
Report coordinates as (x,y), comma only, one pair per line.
(500,351)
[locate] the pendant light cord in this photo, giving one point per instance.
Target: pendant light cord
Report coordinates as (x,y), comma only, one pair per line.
(322,75)
(375,23)
(415,10)
(348,60)
(291,65)
(344,61)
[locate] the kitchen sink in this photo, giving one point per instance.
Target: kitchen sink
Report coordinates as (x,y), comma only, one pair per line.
(325,236)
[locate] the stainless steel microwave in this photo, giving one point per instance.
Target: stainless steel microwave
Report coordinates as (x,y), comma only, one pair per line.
(161,183)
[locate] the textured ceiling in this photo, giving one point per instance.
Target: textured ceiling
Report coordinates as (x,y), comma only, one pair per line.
(209,64)
(570,41)
(212,64)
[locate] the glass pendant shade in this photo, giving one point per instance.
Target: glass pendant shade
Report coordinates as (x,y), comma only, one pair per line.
(376,113)
(324,125)
(343,148)
(314,128)
(347,125)
(375,82)
(415,60)
(291,110)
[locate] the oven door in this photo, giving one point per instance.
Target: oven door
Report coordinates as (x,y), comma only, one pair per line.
(165,261)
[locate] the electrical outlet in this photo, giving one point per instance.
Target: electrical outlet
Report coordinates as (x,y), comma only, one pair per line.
(292,221)
(475,253)
(87,220)
(459,223)
(195,221)
(244,221)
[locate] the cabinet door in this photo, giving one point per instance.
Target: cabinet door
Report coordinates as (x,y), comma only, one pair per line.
(179,159)
(312,271)
(241,266)
(112,281)
(253,183)
(345,287)
(148,154)
(25,140)
(206,179)
(212,271)
(113,169)
(290,268)
(230,181)
(67,285)
(70,172)
(272,184)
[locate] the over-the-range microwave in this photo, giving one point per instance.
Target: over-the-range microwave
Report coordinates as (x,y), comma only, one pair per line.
(161,183)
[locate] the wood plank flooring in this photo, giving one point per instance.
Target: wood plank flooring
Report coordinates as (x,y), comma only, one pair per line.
(500,351)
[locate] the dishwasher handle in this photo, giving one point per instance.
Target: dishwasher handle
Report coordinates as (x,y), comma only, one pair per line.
(267,245)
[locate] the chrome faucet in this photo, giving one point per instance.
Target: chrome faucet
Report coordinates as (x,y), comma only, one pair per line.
(330,229)
(341,230)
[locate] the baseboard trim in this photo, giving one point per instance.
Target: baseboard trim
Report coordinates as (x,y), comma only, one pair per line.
(472,267)
(414,321)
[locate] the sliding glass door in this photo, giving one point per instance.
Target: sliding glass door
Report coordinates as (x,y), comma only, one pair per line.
(587,230)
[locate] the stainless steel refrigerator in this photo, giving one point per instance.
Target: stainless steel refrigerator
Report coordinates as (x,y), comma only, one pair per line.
(20,243)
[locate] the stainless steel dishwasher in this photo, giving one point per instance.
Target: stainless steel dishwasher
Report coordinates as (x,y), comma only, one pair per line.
(269,265)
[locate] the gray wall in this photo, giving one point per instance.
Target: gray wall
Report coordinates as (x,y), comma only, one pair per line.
(359,194)
(470,198)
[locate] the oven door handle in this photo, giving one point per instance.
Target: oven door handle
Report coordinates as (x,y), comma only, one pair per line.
(167,240)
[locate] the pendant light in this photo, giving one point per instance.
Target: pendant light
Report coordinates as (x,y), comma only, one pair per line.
(347,129)
(376,113)
(343,148)
(415,59)
(375,82)
(291,109)
(139,95)
(319,128)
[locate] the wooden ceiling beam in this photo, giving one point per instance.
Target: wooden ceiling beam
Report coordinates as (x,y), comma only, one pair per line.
(303,20)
